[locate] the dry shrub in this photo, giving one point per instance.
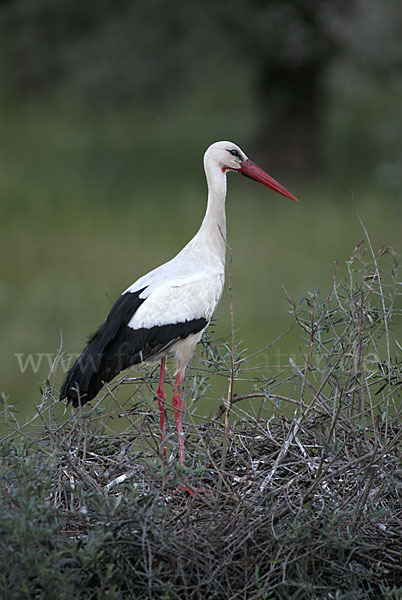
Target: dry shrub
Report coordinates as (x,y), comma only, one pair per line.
(304,505)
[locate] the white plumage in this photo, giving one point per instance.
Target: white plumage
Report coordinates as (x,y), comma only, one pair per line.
(166,310)
(183,297)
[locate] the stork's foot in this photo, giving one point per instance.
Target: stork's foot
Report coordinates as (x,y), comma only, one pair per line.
(191,490)
(186,489)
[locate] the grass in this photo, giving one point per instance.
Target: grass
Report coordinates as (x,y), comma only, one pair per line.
(92,201)
(303,505)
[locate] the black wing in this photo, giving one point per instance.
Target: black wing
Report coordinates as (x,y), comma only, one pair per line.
(115,347)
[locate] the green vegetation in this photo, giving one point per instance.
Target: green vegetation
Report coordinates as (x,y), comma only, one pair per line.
(88,206)
(306,504)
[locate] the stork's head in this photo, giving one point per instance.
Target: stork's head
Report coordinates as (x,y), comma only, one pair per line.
(229,157)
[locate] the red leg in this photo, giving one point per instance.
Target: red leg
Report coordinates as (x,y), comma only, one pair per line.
(161,401)
(178,409)
(178,412)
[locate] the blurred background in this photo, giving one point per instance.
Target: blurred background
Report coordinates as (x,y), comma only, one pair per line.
(105,112)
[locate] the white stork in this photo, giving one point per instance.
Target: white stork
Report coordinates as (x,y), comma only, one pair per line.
(165,311)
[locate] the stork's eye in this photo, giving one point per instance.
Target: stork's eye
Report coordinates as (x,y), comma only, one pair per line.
(234,153)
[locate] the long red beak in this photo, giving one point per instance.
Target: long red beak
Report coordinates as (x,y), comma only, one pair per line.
(249,169)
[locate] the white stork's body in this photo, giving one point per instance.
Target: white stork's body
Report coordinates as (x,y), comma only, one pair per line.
(166,310)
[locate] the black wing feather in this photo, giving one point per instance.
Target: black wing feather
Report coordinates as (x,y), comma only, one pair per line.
(115,347)
(81,374)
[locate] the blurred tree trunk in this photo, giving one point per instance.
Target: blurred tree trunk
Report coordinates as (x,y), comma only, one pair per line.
(292,101)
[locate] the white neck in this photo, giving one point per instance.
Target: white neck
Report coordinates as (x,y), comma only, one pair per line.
(212,232)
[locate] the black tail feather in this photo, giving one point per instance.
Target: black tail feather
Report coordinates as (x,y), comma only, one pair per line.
(79,385)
